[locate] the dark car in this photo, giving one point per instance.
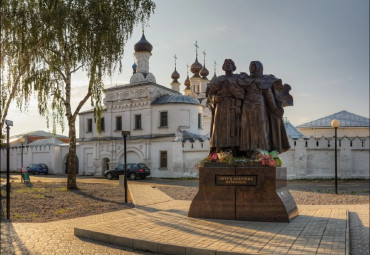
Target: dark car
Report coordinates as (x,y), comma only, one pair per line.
(38,168)
(133,171)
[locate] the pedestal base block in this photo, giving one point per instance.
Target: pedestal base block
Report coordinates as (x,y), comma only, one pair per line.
(242,192)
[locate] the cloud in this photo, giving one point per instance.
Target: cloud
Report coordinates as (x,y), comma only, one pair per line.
(330,82)
(302,94)
(215,30)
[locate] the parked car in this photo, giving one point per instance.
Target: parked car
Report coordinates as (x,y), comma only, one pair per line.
(38,168)
(133,171)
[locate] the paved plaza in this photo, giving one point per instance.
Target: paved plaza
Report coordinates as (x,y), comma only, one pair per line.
(159,224)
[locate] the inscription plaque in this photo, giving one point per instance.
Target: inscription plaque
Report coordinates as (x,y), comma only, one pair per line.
(236,180)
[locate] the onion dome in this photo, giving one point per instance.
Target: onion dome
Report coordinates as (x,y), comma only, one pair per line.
(204,72)
(187,83)
(175,75)
(214,78)
(143,45)
(195,68)
(214,75)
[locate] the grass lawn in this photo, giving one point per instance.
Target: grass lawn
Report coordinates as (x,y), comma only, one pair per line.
(43,202)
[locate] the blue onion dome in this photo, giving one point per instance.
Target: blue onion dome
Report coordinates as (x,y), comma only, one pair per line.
(196,67)
(134,66)
(143,45)
(175,75)
(204,72)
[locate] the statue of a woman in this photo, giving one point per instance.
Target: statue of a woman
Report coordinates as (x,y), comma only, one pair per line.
(261,121)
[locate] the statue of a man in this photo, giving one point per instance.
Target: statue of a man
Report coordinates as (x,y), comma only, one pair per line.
(262,111)
(225,97)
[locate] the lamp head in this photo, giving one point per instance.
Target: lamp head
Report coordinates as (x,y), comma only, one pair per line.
(21,139)
(125,133)
(9,123)
(335,123)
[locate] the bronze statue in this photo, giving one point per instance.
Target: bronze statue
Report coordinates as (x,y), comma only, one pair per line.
(226,98)
(248,110)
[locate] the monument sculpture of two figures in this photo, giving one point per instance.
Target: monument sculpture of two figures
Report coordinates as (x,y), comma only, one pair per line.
(247,116)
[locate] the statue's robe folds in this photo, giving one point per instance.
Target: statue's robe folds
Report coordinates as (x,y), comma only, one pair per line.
(262,111)
(226,99)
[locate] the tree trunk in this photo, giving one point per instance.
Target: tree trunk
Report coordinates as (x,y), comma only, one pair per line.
(71,181)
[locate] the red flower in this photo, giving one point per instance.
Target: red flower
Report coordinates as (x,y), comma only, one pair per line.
(213,156)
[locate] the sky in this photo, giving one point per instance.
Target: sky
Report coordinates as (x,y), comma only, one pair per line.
(319,47)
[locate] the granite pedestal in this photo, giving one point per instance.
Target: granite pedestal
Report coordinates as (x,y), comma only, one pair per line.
(243,191)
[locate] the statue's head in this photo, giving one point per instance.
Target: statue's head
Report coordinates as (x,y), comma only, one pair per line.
(256,69)
(228,65)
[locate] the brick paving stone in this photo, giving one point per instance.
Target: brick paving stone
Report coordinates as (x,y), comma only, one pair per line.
(174,228)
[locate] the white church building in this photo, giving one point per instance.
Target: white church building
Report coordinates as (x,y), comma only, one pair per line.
(169,131)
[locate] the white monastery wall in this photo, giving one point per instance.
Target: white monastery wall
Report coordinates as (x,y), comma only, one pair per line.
(47,154)
(314,158)
(307,158)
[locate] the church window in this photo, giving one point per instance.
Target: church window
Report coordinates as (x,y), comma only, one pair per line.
(163,159)
(138,121)
(118,123)
(163,119)
(199,120)
(89,125)
(102,124)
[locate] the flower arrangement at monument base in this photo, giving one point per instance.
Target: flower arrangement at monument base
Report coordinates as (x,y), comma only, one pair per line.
(225,156)
(259,157)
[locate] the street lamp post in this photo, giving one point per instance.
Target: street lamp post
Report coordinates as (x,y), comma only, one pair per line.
(9,124)
(335,124)
(22,141)
(125,134)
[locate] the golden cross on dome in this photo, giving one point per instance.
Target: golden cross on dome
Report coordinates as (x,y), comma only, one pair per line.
(204,58)
(175,60)
(214,62)
(196,48)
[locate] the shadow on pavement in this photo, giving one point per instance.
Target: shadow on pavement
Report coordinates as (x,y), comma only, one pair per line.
(359,235)
(81,193)
(10,242)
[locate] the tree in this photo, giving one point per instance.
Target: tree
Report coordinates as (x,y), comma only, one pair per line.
(18,46)
(79,34)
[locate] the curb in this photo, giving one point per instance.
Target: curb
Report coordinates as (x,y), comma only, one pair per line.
(347,234)
(144,245)
(130,196)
